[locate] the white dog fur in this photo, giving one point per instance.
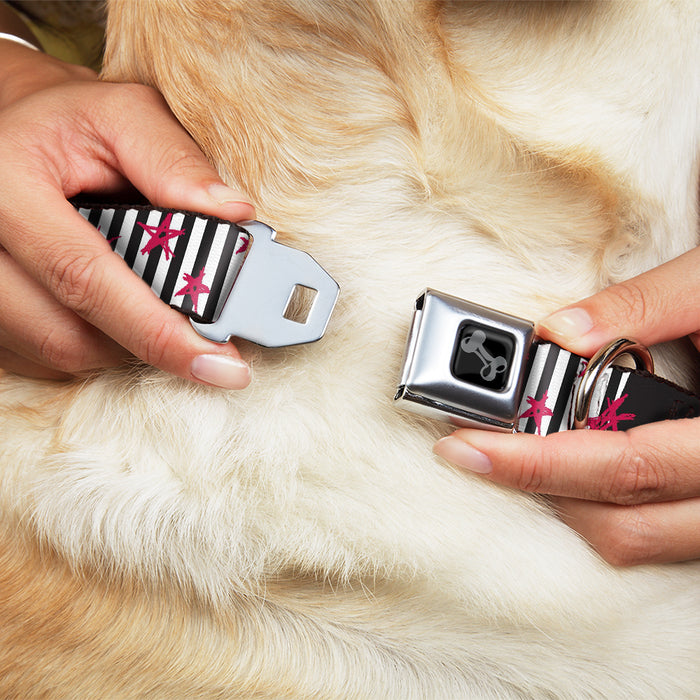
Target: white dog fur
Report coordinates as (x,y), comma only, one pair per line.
(298,538)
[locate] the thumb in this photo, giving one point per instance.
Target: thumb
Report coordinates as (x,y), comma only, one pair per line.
(658,305)
(165,164)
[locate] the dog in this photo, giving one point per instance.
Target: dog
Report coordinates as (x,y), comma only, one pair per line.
(299,539)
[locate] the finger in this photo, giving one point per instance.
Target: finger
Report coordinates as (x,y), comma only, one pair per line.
(162,160)
(36,327)
(16,364)
(656,306)
(653,462)
(629,535)
(80,270)
(91,142)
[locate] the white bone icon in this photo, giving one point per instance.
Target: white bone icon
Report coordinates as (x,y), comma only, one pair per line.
(474,345)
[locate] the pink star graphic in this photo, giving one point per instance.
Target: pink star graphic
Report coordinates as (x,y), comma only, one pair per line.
(109,240)
(112,239)
(243,247)
(194,288)
(538,410)
(609,418)
(160,235)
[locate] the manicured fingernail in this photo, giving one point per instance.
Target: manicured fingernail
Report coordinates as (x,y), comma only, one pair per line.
(569,323)
(463,455)
(225,195)
(220,370)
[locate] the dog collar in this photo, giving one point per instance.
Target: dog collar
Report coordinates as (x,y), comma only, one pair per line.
(230,279)
(476,367)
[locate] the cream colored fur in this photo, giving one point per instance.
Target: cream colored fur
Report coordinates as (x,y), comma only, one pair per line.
(299,539)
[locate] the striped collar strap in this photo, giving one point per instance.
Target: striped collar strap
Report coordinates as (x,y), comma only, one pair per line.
(620,398)
(230,279)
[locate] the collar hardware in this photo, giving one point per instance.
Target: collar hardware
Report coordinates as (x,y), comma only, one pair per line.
(230,279)
(464,363)
(256,306)
(475,367)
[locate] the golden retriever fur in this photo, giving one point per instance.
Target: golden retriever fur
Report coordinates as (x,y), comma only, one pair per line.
(298,539)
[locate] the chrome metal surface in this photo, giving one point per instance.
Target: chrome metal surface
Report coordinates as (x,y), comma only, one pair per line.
(428,385)
(598,364)
(256,305)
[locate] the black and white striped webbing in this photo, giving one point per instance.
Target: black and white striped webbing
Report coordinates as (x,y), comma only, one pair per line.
(190,261)
(622,398)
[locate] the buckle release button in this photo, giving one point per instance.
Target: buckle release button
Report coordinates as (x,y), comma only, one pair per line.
(483,356)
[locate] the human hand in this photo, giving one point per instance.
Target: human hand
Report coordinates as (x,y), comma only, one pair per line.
(635,495)
(62,289)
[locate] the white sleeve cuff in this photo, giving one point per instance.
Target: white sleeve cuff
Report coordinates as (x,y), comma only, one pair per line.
(18,40)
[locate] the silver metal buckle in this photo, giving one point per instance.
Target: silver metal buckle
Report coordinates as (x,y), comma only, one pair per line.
(464,363)
(597,365)
(260,295)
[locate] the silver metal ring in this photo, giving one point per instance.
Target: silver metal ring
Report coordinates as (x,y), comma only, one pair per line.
(598,364)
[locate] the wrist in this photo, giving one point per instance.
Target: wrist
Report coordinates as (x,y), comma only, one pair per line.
(4,36)
(24,71)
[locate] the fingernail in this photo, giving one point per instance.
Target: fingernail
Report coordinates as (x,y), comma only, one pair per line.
(222,371)
(226,195)
(569,323)
(463,455)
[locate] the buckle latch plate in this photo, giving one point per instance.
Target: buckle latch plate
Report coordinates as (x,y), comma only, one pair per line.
(260,295)
(464,363)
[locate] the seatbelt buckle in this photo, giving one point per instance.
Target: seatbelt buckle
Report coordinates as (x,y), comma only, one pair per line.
(257,306)
(464,363)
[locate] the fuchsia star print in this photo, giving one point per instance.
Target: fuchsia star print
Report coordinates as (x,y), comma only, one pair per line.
(609,419)
(160,236)
(194,287)
(538,410)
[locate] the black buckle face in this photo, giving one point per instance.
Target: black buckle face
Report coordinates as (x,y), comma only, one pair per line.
(464,363)
(483,356)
